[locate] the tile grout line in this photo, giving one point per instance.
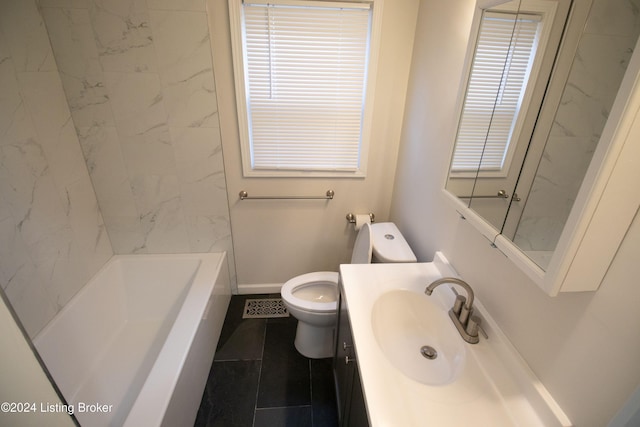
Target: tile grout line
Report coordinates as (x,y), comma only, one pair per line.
(264,341)
(282,407)
(311,390)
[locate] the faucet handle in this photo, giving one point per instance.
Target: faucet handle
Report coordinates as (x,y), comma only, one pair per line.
(465,315)
(473,327)
(458,303)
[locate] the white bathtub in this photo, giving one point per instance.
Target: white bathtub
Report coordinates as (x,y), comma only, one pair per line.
(138,340)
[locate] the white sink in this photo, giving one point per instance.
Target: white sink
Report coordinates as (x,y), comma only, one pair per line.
(484,384)
(417,337)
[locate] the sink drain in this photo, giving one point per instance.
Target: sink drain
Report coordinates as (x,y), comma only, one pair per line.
(428,352)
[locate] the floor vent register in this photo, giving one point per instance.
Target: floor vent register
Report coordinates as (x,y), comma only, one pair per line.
(264,308)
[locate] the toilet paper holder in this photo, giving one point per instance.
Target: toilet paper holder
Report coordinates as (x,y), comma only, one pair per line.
(351,218)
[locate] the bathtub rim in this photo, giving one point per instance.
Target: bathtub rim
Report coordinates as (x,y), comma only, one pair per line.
(152,402)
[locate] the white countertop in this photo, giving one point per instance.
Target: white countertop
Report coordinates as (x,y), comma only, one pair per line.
(495,387)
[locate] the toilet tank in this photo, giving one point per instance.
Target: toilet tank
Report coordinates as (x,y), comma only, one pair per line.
(389,244)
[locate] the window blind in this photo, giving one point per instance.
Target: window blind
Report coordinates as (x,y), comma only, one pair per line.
(505,51)
(305,72)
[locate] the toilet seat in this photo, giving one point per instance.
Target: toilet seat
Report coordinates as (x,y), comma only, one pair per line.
(363,246)
(297,283)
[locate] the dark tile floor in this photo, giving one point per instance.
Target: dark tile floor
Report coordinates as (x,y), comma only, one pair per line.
(258,379)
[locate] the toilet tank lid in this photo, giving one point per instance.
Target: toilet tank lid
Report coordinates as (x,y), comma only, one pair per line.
(389,245)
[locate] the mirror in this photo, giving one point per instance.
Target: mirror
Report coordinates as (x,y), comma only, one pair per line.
(525,188)
(511,51)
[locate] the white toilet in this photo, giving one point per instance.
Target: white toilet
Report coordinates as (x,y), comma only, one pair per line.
(312,298)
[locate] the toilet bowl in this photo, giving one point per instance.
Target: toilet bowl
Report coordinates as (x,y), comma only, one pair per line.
(312,298)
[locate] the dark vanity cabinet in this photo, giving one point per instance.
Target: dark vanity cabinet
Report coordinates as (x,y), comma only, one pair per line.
(352,409)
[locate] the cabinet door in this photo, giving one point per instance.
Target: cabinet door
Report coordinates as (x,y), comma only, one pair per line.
(343,366)
(352,410)
(357,407)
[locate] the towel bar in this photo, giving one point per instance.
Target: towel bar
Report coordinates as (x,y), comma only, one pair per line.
(245,196)
(501,195)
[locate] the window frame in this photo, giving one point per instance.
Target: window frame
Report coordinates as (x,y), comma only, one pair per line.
(240,79)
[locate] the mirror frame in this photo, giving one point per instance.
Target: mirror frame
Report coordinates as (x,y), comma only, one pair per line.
(605,207)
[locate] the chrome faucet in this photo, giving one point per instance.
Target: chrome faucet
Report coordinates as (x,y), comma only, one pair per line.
(461,313)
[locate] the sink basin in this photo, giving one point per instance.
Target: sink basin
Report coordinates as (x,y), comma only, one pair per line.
(417,337)
(391,319)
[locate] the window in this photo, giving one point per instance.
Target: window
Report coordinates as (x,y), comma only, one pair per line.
(302,71)
(503,60)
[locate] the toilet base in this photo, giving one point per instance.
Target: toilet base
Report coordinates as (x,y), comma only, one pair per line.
(315,342)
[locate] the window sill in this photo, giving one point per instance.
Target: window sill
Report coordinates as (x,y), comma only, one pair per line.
(303,174)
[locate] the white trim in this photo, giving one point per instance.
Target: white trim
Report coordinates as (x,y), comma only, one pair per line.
(374,53)
(488,4)
(466,213)
(259,288)
(520,259)
(235,23)
(304,3)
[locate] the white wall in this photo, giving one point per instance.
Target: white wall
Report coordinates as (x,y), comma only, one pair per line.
(276,240)
(584,347)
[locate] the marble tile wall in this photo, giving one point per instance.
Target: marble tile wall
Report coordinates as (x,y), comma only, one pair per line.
(52,234)
(109,142)
(604,52)
(138,78)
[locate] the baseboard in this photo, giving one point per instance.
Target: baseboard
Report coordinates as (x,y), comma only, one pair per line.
(259,288)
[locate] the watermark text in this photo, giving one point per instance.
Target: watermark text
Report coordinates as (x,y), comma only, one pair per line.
(57,407)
